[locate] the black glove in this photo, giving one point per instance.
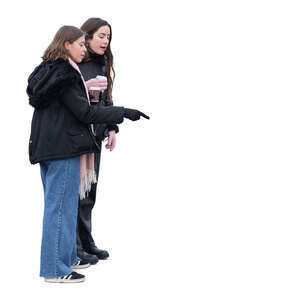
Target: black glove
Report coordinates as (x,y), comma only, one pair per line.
(134,115)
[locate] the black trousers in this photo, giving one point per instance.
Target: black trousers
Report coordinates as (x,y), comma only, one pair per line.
(84,219)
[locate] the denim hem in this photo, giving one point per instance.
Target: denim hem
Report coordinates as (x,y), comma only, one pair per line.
(75,262)
(54,276)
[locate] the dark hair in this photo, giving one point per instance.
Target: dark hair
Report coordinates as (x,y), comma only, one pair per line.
(57,49)
(90,26)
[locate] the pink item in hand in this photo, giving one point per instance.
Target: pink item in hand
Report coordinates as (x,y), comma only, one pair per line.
(99,81)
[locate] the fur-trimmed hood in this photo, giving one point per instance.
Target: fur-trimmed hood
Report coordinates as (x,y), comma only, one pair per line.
(47,81)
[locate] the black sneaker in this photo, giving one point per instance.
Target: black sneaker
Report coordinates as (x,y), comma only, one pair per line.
(81,264)
(70,278)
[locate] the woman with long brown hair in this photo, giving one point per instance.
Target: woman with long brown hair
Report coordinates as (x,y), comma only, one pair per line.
(98,61)
(62,141)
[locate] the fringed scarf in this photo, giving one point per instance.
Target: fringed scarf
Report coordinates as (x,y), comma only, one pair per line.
(86,161)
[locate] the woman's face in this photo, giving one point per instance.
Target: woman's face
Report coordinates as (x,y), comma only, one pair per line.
(77,49)
(100,40)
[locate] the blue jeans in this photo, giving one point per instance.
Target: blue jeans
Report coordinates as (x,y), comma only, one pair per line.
(61,188)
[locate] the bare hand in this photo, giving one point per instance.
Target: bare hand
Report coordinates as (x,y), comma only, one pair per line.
(111,142)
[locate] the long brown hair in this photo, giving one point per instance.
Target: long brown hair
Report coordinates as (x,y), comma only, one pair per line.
(57,49)
(90,26)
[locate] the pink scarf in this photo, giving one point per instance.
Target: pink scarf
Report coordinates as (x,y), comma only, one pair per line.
(86,161)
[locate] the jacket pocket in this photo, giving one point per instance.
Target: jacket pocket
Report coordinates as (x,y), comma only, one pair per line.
(79,140)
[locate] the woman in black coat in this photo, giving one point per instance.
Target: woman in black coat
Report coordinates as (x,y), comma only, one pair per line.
(98,61)
(62,134)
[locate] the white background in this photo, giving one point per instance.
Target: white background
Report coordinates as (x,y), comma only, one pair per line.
(200,202)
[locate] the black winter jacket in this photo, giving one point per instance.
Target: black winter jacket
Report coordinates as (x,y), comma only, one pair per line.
(60,126)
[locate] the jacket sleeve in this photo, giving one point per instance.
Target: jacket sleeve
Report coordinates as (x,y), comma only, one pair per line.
(77,103)
(113,127)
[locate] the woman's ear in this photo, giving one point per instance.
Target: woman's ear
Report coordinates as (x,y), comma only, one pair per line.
(67,45)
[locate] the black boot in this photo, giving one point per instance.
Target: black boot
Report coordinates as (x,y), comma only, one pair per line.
(90,258)
(101,254)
